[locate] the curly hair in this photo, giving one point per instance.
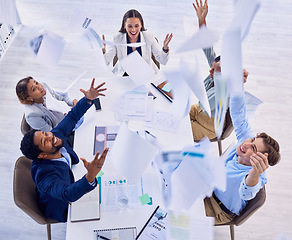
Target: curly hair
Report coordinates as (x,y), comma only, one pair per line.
(131,14)
(273,148)
(21,90)
(27,146)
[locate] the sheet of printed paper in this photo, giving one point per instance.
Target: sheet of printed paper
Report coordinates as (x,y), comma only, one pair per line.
(189,227)
(164,121)
(114,187)
(123,154)
(136,103)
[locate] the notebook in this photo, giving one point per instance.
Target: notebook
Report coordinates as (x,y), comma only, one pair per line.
(104,137)
(155,227)
(87,207)
(128,233)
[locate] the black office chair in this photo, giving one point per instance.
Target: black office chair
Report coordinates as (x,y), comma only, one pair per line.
(252,206)
(227,130)
(25,194)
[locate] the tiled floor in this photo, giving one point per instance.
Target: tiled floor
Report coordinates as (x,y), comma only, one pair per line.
(267,53)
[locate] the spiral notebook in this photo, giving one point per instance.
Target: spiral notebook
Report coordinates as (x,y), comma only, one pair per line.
(128,233)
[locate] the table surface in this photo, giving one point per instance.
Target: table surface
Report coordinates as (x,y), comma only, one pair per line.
(83,145)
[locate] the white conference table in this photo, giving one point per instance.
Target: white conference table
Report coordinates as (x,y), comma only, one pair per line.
(83,145)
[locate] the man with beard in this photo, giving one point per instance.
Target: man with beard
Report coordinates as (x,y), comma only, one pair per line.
(52,159)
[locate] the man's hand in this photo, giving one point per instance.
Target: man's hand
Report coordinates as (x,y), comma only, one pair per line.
(259,163)
(94,166)
(92,93)
(202,11)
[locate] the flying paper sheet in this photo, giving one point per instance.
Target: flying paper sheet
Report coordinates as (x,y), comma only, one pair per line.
(48,48)
(189,26)
(203,38)
(128,160)
(195,82)
(196,176)
(75,81)
(244,13)
(8,13)
(81,21)
(221,103)
(180,106)
(136,67)
(55,105)
(93,38)
(231,60)
(251,103)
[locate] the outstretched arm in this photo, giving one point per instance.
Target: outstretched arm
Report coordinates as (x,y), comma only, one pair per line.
(202,11)
(93,92)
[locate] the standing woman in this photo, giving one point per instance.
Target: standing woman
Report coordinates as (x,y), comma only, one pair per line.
(133,31)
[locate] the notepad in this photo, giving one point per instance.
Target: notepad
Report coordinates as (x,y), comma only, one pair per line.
(87,207)
(128,233)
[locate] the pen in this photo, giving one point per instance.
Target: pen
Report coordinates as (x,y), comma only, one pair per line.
(194,154)
(102,237)
(150,134)
(99,185)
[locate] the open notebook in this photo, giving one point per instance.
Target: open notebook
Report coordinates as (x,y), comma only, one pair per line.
(87,207)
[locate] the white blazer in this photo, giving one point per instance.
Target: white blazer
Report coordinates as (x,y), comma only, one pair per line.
(151,46)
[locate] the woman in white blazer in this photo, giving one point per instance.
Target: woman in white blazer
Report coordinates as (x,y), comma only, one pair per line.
(33,95)
(133,31)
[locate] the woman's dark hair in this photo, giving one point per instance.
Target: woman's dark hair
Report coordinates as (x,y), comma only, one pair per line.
(21,90)
(131,14)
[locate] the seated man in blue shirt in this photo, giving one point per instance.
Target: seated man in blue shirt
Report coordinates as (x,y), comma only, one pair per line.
(245,165)
(52,159)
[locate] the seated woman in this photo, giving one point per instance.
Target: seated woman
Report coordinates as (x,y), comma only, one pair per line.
(133,31)
(33,95)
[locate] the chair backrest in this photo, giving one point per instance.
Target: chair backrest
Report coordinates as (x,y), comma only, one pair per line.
(24,127)
(252,206)
(227,129)
(24,191)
